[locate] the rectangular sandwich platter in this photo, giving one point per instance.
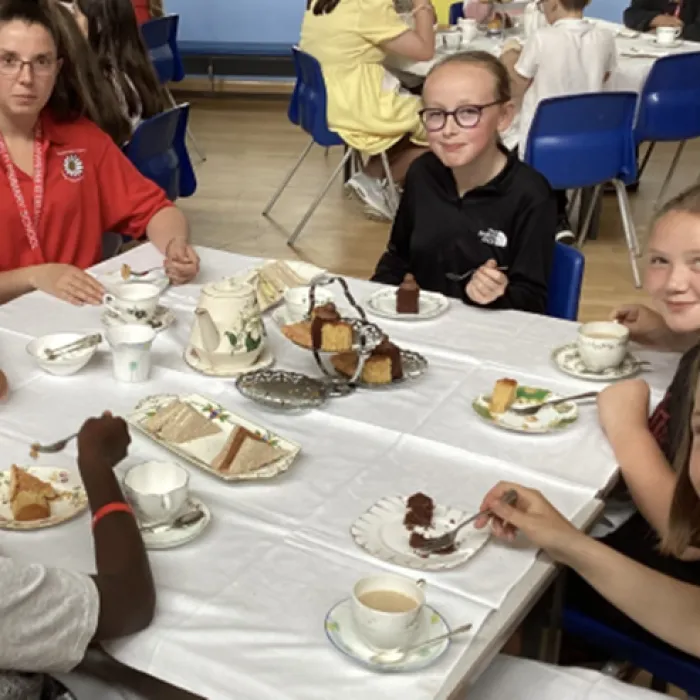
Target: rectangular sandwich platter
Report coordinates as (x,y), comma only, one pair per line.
(269,295)
(201,452)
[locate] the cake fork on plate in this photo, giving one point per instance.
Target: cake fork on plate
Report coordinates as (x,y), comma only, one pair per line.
(438,544)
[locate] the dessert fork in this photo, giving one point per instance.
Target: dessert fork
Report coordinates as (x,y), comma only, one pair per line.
(53,447)
(454,277)
(437,544)
(531,410)
(143,273)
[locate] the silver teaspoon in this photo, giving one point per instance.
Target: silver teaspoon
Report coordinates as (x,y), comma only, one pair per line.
(395,656)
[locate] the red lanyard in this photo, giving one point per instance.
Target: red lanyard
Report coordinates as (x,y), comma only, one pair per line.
(31,227)
(677,11)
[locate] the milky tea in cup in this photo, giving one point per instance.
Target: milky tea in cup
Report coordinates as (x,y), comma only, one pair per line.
(386,610)
(602,345)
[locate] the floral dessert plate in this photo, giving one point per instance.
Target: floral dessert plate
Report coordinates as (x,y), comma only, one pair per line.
(547,420)
(273,277)
(203,429)
(568,360)
(192,358)
(381,532)
(162,319)
(430,305)
(341,633)
(72,500)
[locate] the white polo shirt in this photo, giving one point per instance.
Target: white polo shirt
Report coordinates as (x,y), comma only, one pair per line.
(570,57)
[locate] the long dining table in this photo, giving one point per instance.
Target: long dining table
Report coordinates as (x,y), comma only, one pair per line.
(241,609)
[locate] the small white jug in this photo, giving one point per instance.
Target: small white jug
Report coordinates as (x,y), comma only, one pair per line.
(131,351)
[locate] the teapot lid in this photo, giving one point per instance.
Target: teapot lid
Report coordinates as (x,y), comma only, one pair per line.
(228,287)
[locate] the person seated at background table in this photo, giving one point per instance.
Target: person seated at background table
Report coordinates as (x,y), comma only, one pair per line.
(100,103)
(49,616)
(647,15)
(570,56)
(146,10)
(64,181)
(470,206)
(113,34)
(650,452)
(366,106)
(661,606)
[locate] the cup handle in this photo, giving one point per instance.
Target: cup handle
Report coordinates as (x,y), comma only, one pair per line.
(421,583)
(678,31)
(109,302)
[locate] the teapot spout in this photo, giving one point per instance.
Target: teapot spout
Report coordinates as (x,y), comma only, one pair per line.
(208,331)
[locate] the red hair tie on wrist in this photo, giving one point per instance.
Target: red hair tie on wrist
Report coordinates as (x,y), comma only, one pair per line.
(115,507)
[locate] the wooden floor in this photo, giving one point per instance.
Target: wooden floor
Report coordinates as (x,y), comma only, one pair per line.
(250,145)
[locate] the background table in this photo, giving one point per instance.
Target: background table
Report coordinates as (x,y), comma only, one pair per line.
(241,609)
(630,74)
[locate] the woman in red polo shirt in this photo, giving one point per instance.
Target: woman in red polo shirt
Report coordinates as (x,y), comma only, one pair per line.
(63,181)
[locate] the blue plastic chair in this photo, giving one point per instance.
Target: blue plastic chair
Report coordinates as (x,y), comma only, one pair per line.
(456,12)
(157,149)
(664,667)
(160,37)
(586,140)
(669,107)
(308,110)
(565,282)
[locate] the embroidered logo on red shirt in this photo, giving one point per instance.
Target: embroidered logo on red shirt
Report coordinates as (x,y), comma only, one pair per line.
(73,167)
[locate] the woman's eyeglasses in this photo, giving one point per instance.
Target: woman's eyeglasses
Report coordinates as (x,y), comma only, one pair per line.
(11,64)
(466,117)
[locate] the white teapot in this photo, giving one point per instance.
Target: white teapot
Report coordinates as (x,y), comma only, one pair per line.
(228,330)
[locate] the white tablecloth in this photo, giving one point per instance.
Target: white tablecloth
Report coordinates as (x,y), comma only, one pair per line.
(241,609)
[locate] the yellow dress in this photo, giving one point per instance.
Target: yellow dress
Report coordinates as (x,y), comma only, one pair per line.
(366,105)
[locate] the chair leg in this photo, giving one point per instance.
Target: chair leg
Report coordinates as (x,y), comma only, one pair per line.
(669,176)
(287,179)
(394,194)
(309,212)
(645,160)
(200,152)
(630,233)
(588,216)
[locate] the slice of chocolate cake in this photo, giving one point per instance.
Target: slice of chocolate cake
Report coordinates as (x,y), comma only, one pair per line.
(407,296)
(419,511)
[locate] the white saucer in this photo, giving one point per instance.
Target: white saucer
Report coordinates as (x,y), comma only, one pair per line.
(190,356)
(567,359)
(340,631)
(175,537)
(430,305)
(674,45)
(280,316)
(162,319)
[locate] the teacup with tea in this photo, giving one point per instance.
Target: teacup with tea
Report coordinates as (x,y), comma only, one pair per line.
(602,345)
(135,302)
(386,610)
(157,491)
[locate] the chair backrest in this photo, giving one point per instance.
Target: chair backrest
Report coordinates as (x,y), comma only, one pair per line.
(188,179)
(584,140)
(679,669)
(160,37)
(565,280)
(153,152)
(669,105)
(309,104)
(456,12)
